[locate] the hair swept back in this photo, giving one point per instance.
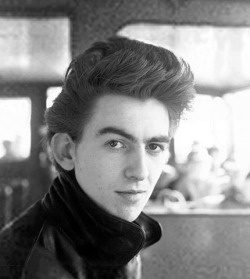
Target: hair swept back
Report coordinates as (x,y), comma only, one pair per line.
(125,67)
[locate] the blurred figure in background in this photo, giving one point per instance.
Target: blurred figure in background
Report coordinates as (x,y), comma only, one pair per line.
(196,181)
(9,154)
(201,175)
(246,188)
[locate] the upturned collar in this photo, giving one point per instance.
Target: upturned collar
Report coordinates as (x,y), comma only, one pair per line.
(98,236)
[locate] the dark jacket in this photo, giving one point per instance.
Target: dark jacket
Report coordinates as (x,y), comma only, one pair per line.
(66,235)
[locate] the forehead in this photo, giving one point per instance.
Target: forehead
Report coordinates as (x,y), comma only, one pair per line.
(139,117)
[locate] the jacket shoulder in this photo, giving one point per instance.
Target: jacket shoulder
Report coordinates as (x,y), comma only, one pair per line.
(17,240)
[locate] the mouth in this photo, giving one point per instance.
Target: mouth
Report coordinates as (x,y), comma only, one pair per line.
(131,195)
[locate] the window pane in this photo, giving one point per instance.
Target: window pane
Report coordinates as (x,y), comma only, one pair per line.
(240,103)
(207,124)
(15,136)
(219,56)
(52,93)
(34,49)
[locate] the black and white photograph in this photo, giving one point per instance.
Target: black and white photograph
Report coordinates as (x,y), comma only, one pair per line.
(124,139)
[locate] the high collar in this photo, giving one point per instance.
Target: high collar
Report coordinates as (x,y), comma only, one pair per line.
(98,236)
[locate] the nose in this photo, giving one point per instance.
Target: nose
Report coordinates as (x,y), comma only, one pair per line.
(137,168)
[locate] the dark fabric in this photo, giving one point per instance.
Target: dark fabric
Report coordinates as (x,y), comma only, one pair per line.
(17,239)
(66,235)
(101,238)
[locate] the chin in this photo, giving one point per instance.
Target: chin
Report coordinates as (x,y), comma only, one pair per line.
(130,216)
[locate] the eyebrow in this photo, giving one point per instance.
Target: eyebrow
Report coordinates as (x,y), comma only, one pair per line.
(114,130)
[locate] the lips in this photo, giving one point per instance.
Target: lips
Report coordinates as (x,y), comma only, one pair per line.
(132,191)
(131,195)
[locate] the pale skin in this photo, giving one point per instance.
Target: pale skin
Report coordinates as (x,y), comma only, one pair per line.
(121,155)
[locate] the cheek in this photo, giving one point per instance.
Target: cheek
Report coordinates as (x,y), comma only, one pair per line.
(102,172)
(155,171)
(87,162)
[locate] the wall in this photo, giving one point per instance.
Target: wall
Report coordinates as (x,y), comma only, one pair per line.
(97,19)
(199,246)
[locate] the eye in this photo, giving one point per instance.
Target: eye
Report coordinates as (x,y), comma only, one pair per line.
(156,148)
(153,146)
(115,144)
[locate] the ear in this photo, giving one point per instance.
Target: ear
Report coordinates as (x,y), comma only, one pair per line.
(62,147)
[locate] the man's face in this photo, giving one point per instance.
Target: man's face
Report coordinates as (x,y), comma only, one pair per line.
(122,153)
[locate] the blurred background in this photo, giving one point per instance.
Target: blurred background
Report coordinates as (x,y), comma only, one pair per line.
(209,159)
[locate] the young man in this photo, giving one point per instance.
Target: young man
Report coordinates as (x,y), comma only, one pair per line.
(108,133)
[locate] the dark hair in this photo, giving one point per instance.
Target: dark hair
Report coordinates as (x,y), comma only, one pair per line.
(119,66)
